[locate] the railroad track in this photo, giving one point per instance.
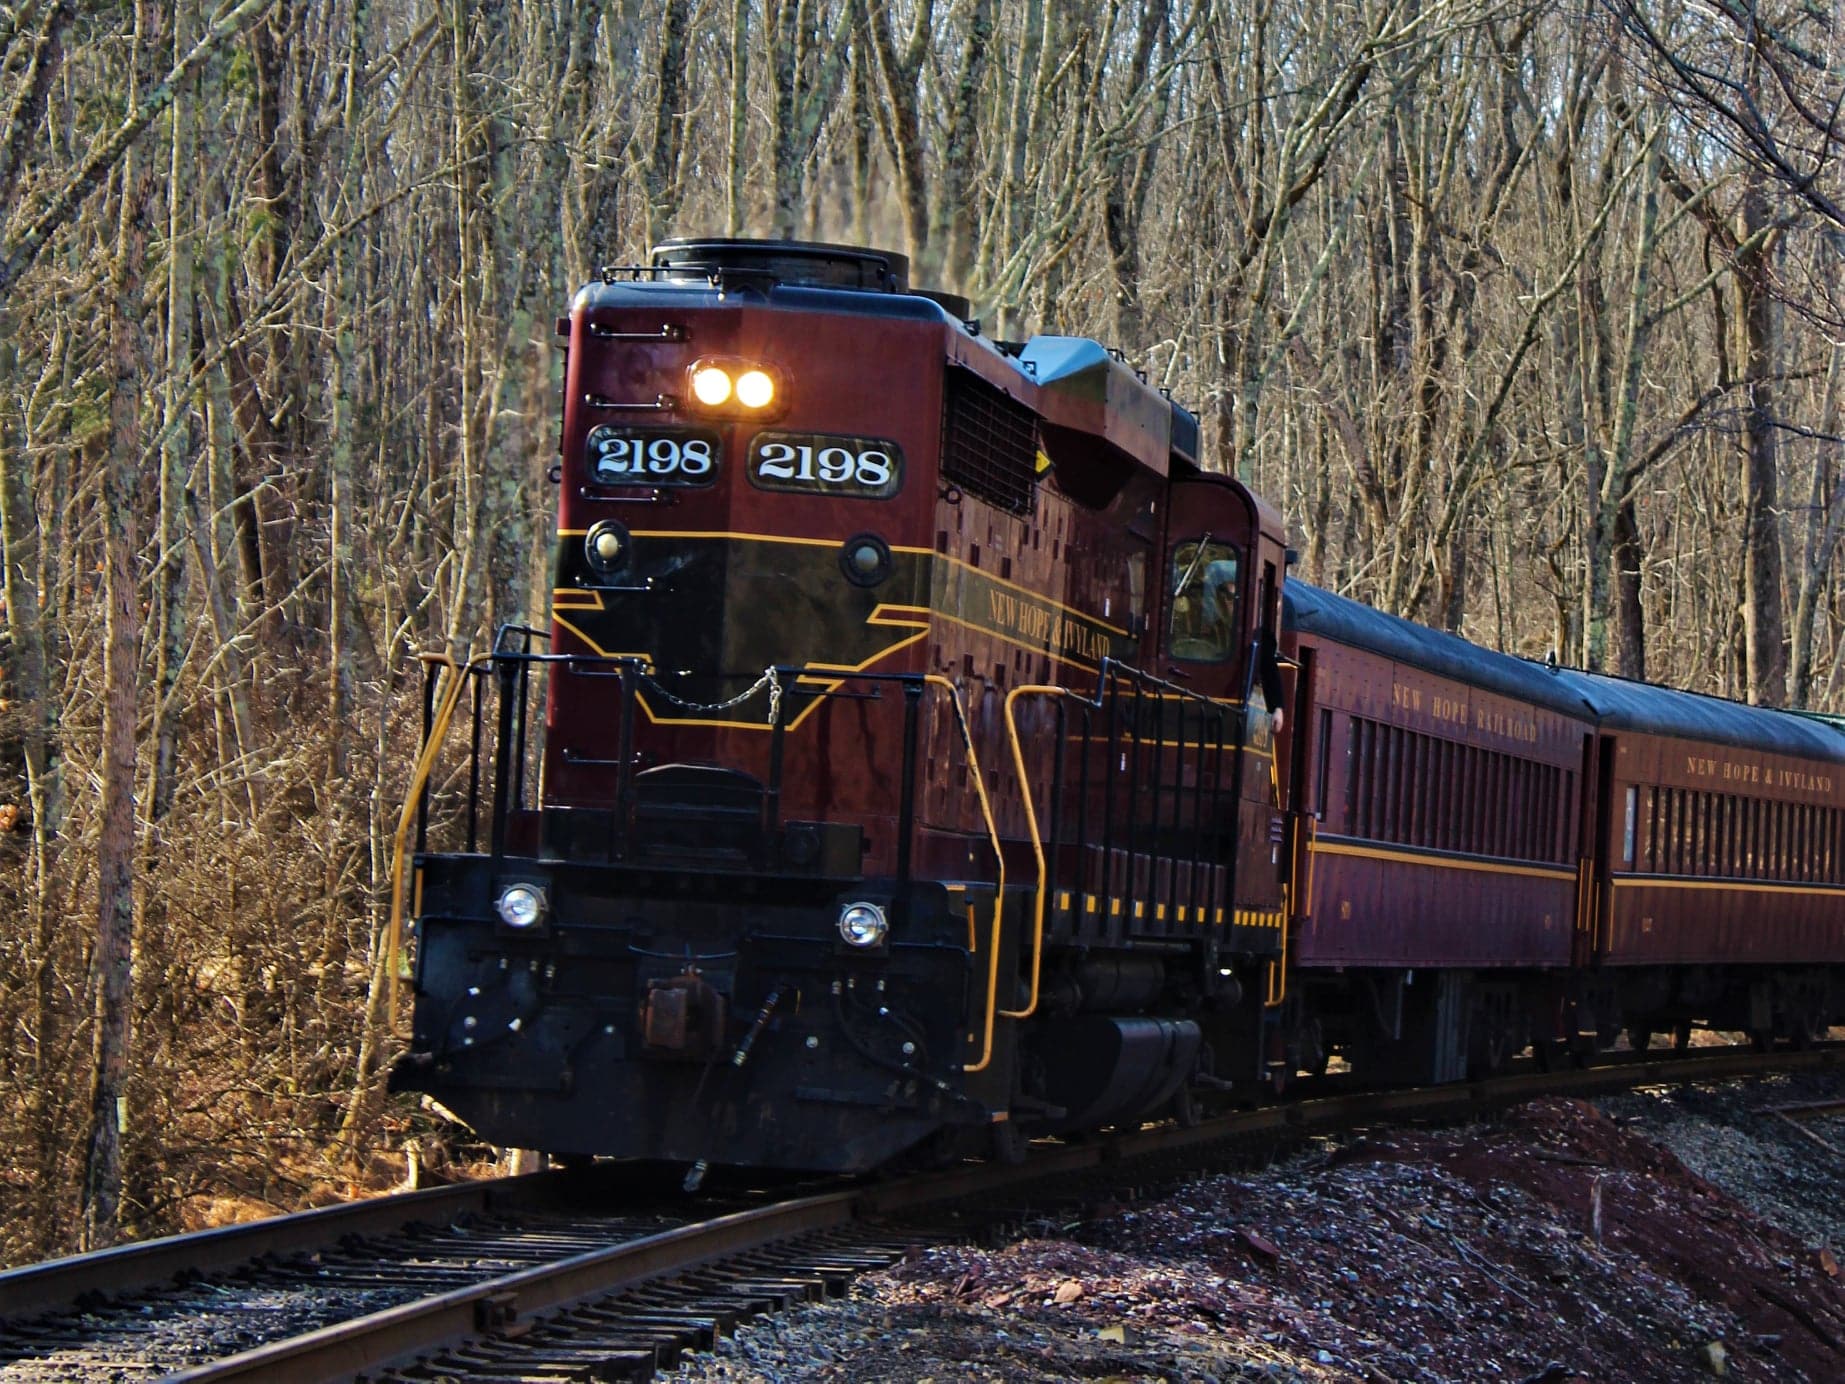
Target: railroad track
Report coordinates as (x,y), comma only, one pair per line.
(519,1279)
(144,1310)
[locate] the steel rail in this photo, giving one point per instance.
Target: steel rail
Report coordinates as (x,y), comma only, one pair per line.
(505,1308)
(59,1283)
(1331,1114)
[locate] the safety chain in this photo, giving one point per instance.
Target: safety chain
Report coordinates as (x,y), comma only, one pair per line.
(768,680)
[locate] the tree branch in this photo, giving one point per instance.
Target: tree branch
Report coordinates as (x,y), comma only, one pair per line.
(19,250)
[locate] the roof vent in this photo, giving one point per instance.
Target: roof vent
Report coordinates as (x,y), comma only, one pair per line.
(802,263)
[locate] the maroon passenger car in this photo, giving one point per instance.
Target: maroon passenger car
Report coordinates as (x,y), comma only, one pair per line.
(1491,852)
(1719,864)
(1440,825)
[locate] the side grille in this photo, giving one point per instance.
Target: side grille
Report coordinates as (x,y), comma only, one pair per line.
(989,443)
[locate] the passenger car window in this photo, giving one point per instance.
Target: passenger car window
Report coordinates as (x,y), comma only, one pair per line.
(1203,627)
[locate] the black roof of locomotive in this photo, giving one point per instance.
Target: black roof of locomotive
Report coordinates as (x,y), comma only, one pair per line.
(1611,703)
(646,293)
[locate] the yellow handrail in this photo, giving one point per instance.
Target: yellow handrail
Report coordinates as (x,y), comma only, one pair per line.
(458,674)
(1275,990)
(1302,885)
(999,857)
(1037,842)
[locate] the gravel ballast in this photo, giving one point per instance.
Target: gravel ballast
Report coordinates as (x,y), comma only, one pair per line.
(1669,1234)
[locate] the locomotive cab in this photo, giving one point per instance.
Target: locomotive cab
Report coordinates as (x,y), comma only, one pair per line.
(1225,561)
(904,772)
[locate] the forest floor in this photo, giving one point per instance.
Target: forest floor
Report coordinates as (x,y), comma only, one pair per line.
(1669,1234)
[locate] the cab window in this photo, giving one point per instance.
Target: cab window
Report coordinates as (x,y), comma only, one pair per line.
(1203,627)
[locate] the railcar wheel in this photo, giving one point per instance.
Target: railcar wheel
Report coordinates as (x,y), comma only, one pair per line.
(1488,1050)
(1681,1038)
(1639,1038)
(1008,1143)
(946,1147)
(1185,1111)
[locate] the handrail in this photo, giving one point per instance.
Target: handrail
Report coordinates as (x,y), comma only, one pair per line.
(1037,841)
(1162,689)
(999,861)
(1296,901)
(459,673)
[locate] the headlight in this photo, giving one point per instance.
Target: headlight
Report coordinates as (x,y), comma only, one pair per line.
(710,386)
(863,924)
(755,389)
(735,387)
(521,905)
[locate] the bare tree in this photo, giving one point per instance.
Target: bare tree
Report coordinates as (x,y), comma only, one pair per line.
(115,847)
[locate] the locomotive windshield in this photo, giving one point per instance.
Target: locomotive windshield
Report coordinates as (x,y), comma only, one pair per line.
(1204,601)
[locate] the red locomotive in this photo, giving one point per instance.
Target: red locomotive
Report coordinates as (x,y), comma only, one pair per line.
(929,759)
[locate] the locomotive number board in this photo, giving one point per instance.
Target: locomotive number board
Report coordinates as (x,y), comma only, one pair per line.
(652,456)
(865,468)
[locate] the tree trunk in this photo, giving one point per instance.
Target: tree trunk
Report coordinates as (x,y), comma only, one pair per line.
(1825,524)
(1124,161)
(215,540)
(115,847)
(1630,615)
(1765,634)
(952,233)
(343,309)
(736,162)
(662,171)
(899,75)
(175,452)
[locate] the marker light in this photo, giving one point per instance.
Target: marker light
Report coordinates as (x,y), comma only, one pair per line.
(521,905)
(711,386)
(605,547)
(863,924)
(754,389)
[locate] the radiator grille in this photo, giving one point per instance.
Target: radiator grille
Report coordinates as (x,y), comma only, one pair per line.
(989,443)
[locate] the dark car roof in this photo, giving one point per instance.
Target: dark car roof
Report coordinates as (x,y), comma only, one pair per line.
(1314,611)
(1642,707)
(1614,704)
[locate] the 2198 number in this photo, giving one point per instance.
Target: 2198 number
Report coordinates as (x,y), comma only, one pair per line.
(651,458)
(863,467)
